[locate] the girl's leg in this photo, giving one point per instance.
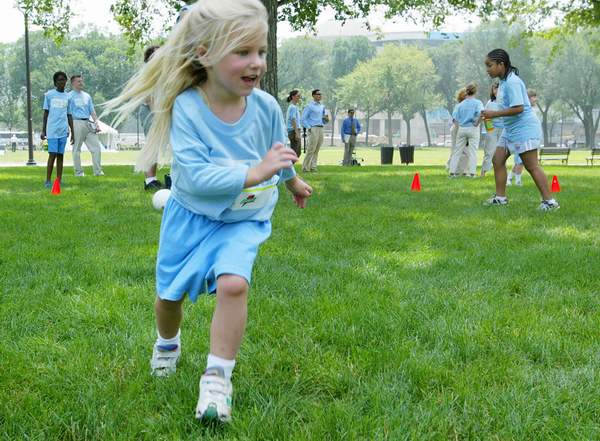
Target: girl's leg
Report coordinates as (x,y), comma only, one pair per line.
(59,166)
(530,160)
(168,317)
(499,162)
(50,166)
(461,146)
(229,319)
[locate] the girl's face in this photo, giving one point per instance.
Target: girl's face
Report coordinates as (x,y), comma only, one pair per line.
(240,71)
(494,69)
(296,98)
(60,83)
(533,100)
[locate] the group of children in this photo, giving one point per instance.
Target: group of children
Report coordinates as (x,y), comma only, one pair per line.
(513,129)
(225,140)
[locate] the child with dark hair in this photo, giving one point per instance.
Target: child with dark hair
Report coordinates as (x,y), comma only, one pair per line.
(56,125)
(292,120)
(521,135)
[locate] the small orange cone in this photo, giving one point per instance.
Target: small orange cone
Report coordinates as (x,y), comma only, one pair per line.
(555,188)
(416,183)
(56,187)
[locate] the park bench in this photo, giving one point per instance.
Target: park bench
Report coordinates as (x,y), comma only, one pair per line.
(595,156)
(555,154)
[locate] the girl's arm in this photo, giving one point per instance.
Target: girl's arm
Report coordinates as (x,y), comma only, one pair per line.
(511,111)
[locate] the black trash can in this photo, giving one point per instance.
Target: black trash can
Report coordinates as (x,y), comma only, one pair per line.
(407,154)
(387,154)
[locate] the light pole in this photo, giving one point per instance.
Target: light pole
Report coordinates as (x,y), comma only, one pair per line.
(31,161)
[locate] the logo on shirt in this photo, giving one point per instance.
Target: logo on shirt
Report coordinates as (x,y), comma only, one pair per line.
(248,200)
(58,103)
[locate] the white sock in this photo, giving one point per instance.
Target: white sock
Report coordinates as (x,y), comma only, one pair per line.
(226,365)
(160,341)
(517,177)
(501,197)
(551,201)
(509,177)
(150,179)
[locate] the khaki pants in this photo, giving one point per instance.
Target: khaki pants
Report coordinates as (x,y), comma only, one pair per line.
(349,149)
(491,142)
(315,141)
(84,133)
(465,135)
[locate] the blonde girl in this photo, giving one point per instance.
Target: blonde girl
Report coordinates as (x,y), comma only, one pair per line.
(228,155)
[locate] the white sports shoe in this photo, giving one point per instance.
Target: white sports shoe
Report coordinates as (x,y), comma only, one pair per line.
(214,402)
(164,360)
(496,200)
(549,206)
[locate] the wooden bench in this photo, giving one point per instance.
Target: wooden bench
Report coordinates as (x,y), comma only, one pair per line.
(554,154)
(595,156)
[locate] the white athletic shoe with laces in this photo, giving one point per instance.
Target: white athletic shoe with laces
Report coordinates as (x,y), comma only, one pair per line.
(496,200)
(164,360)
(548,206)
(214,402)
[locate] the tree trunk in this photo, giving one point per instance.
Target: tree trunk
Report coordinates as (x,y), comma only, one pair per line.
(333,112)
(544,113)
(269,80)
(367,130)
(389,128)
(407,121)
(424,116)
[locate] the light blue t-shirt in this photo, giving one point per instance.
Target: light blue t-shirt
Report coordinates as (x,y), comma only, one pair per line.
(57,105)
(493,105)
(211,158)
(467,112)
(81,104)
(313,115)
(525,125)
(292,113)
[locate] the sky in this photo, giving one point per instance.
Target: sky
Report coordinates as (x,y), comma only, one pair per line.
(98,12)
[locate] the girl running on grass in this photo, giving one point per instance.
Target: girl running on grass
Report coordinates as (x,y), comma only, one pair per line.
(227,139)
(521,134)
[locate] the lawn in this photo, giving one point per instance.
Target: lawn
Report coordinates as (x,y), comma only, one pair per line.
(375,314)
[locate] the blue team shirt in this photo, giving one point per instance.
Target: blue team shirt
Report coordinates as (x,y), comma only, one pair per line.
(525,125)
(347,126)
(468,112)
(57,105)
(493,105)
(81,104)
(211,158)
(313,115)
(292,113)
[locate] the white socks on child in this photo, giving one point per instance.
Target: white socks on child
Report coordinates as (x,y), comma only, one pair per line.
(150,179)
(168,341)
(226,365)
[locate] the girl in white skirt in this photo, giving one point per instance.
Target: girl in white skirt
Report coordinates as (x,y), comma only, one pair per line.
(228,156)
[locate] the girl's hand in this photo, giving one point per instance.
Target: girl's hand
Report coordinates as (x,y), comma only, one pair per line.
(488,114)
(277,158)
(300,190)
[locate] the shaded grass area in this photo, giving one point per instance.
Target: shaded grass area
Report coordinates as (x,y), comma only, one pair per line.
(376,313)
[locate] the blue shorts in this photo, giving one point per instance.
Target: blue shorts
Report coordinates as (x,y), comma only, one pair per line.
(57,145)
(194,251)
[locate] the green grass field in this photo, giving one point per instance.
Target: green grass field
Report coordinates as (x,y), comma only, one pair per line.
(375,314)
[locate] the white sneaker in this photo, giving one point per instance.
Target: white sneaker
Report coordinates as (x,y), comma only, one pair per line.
(214,402)
(100,173)
(80,174)
(549,206)
(496,200)
(519,183)
(164,360)
(508,182)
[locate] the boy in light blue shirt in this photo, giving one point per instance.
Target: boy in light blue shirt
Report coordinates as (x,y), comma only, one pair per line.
(56,125)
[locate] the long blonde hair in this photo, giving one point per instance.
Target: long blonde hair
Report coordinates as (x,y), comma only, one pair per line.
(218,26)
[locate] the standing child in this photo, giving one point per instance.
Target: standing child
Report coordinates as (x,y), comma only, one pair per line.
(521,134)
(517,169)
(292,119)
(227,139)
(492,136)
(467,115)
(57,121)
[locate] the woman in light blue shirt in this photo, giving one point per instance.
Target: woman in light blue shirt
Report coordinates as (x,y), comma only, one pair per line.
(468,115)
(521,134)
(292,120)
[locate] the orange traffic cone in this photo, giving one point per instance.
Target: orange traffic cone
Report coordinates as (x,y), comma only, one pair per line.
(56,187)
(555,188)
(416,183)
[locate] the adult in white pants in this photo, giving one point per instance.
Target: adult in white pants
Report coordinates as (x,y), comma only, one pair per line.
(468,115)
(492,137)
(313,119)
(82,109)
